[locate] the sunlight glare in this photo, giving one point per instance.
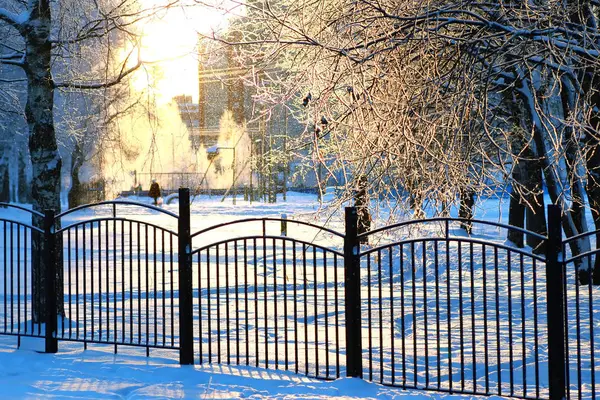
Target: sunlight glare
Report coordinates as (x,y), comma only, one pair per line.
(169,49)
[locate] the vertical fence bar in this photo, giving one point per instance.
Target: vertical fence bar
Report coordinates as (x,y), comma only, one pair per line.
(352,294)
(186,331)
(49,264)
(554,288)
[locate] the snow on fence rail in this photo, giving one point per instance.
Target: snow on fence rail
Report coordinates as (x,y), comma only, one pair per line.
(434,309)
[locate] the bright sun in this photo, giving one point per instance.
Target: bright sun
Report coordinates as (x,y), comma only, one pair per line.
(169,50)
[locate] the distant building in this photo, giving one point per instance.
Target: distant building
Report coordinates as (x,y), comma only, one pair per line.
(190,116)
(223,86)
(220,88)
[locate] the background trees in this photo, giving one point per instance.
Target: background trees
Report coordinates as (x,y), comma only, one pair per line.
(443,100)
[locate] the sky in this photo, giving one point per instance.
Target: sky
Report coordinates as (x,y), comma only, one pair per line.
(169,42)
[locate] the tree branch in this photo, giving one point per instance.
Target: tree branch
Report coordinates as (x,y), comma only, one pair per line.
(17,21)
(101,85)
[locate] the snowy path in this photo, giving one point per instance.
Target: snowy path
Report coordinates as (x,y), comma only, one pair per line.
(97,373)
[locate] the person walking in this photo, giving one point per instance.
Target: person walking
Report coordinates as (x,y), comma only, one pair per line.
(154,191)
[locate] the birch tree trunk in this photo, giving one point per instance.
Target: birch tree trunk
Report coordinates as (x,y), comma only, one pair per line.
(45,159)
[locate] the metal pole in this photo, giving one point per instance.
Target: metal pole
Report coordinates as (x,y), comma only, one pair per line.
(352,295)
(50,277)
(285,160)
(251,169)
(186,317)
(555,302)
(233,176)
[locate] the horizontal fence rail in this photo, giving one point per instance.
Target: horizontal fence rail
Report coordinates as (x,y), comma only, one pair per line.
(423,305)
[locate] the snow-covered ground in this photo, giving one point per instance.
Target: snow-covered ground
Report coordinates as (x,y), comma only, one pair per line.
(73,373)
(439,301)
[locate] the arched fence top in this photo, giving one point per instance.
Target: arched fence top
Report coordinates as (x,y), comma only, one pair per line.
(447,221)
(456,239)
(580,256)
(33,212)
(270,237)
(264,220)
(116,203)
(24,225)
(91,221)
(568,240)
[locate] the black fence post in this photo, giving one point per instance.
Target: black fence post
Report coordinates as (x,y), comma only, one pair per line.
(49,261)
(352,296)
(186,331)
(555,302)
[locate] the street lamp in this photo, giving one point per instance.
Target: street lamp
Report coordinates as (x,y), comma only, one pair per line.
(256,141)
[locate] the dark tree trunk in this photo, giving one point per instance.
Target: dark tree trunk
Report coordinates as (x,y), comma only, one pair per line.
(516,209)
(592,164)
(583,14)
(24,192)
(76,191)
(593,178)
(361,202)
(535,214)
(5,184)
(593,192)
(45,159)
(465,209)
(527,208)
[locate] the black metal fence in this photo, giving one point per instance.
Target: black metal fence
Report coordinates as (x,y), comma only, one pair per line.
(438,310)
(455,314)
(118,279)
(18,282)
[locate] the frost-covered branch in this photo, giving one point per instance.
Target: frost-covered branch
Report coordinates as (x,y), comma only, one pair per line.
(17,21)
(101,84)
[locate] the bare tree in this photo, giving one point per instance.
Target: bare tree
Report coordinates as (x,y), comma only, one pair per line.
(419,96)
(72,45)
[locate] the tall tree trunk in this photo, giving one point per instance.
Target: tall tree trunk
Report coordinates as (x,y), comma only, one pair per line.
(76,191)
(361,202)
(4,184)
(24,192)
(593,191)
(516,209)
(45,159)
(577,187)
(465,209)
(4,173)
(535,214)
(592,161)
(583,13)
